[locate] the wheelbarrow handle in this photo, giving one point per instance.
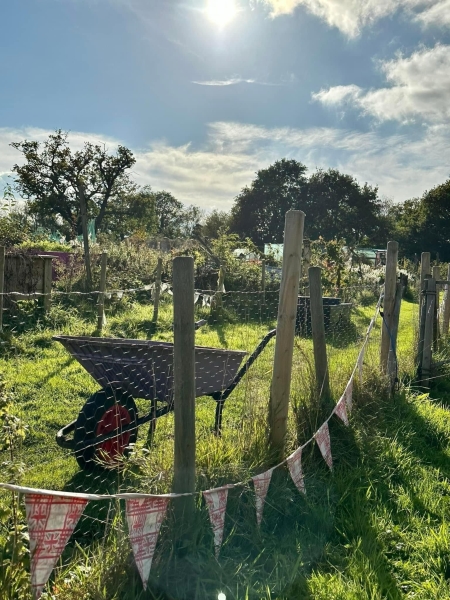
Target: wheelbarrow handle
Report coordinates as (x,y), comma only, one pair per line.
(223,395)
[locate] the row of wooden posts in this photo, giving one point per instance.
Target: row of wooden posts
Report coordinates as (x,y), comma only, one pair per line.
(431,325)
(184,345)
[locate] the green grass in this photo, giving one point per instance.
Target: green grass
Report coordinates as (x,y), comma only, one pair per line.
(377,527)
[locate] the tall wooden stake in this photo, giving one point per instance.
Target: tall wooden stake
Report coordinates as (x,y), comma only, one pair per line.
(392,367)
(101,320)
(263,281)
(318,332)
(390,283)
(2,283)
(184,379)
(436,276)
(47,282)
(425,269)
(428,337)
(446,316)
(287,311)
(157,290)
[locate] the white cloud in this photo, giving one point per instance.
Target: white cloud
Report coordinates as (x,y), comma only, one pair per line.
(221,82)
(419,90)
(351,16)
(213,174)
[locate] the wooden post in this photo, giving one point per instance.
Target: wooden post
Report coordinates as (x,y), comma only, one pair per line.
(390,283)
(84,227)
(425,261)
(47,282)
(428,337)
(318,332)
(184,379)
(263,281)
(392,366)
(446,316)
(422,318)
(287,312)
(157,291)
(2,283)
(101,320)
(436,277)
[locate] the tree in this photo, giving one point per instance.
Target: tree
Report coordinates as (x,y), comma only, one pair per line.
(131,212)
(214,221)
(191,218)
(169,214)
(73,186)
(339,208)
(259,210)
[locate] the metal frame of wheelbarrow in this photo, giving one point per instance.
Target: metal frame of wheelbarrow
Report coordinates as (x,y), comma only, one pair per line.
(219,396)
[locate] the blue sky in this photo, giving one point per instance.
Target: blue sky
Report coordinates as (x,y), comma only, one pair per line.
(360,85)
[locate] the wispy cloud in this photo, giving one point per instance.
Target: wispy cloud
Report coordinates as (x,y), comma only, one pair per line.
(419,89)
(222,82)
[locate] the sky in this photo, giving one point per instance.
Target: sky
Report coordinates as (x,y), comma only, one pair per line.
(206,92)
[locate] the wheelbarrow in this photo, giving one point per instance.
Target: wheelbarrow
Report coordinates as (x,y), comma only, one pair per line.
(127,369)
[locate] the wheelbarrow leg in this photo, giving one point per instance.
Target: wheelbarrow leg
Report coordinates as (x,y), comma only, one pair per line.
(218,422)
(151,429)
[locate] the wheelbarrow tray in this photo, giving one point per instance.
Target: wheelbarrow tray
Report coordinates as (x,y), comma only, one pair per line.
(144,368)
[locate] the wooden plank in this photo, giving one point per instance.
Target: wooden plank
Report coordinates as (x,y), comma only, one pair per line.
(2,283)
(390,283)
(446,315)
(47,282)
(101,319)
(157,291)
(287,311)
(392,367)
(318,332)
(436,273)
(425,269)
(184,378)
(428,336)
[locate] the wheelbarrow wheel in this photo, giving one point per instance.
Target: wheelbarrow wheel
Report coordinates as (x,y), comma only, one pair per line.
(105,412)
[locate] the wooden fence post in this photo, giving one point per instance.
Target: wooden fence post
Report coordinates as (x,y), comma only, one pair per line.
(287,312)
(392,366)
(390,284)
(101,320)
(184,380)
(425,269)
(428,336)
(436,276)
(446,316)
(263,281)
(157,290)
(2,283)
(47,282)
(318,332)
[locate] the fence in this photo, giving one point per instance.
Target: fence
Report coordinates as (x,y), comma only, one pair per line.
(305,364)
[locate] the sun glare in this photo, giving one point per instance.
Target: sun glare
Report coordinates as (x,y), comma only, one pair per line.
(221,12)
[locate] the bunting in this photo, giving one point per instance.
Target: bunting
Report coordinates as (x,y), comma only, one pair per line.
(144,518)
(322,438)
(216,501)
(261,484)
(51,521)
(341,411)
(294,463)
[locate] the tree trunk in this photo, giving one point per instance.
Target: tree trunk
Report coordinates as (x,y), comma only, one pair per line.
(84,227)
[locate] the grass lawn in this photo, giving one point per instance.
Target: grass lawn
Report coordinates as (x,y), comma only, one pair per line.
(376,527)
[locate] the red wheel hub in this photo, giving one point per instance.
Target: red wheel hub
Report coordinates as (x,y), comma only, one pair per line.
(114,419)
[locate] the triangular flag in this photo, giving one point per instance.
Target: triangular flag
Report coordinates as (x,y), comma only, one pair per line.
(341,411)
(294,463)
(144,518)
(323,441)
(360,362)
(216,501)
(348,395)
(51,521)
(261,484)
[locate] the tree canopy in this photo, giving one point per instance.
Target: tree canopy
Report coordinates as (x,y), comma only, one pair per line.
(335,204)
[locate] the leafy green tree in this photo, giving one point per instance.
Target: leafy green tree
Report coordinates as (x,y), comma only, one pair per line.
(71,186)
(169,214)
(214,221)
(258,211)
(131,212)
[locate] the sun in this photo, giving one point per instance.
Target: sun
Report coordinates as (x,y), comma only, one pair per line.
(221,12)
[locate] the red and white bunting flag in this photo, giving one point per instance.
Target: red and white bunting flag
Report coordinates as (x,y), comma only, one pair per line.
(261,484)
(51,521)
(341,411)
(348,395)
(144,518)
(216,501)
(323,441)
(294,463)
